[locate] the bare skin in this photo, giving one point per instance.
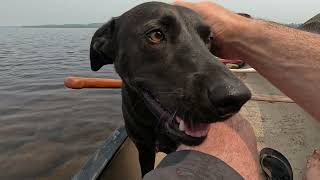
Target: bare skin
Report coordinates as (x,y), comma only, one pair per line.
(234,142)
(313,166)
(288,58)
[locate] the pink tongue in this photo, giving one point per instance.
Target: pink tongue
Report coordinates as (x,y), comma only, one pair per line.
(197,130)
(198,127)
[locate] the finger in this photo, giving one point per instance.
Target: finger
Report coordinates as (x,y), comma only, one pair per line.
(183,3)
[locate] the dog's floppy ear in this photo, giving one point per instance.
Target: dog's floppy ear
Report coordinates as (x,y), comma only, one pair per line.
(102,48)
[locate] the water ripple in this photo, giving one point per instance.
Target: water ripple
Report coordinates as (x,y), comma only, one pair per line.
(42,123)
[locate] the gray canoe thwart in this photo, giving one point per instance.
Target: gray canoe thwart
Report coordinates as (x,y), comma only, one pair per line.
(94,167)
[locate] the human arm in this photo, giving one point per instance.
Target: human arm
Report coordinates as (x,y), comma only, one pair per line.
(288,58)
(232,141)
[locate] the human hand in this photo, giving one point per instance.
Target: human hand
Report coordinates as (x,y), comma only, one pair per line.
(225,25)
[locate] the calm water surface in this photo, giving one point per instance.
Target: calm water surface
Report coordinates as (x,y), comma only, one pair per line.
(46,130)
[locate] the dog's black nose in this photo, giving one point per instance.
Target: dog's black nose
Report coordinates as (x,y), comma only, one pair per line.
(229,98)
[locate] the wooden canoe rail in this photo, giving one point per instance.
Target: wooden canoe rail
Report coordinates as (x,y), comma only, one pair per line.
(81,83)
(271,98)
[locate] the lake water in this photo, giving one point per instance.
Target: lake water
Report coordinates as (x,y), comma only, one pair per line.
(46,130)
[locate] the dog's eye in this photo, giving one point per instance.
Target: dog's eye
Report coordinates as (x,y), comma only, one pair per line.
(155,36)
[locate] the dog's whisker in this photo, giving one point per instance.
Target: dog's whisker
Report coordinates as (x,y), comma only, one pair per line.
(184,115)
(173,91)
(171,120)
(176,91)
(160,119)
(174,115)
(167,93)
(191,123)
(161,116)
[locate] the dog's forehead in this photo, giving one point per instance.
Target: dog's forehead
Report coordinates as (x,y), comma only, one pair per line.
(156,10)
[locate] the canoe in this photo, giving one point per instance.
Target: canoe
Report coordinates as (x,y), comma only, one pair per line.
(115,159)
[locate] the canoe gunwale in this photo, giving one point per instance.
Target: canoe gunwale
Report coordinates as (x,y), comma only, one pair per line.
(102,157)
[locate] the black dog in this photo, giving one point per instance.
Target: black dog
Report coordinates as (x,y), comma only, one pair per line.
(173,85)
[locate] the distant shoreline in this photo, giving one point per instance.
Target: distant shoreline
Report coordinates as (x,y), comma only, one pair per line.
(92,25)
(53,27)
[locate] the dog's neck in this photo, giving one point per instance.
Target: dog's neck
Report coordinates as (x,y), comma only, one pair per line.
(134,105)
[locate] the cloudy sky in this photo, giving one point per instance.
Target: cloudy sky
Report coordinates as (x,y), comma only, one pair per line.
(36,12)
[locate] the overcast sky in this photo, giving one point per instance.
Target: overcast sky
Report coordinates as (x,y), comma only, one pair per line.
(35,12)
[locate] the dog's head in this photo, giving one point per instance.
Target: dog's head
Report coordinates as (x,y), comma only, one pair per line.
(162,52)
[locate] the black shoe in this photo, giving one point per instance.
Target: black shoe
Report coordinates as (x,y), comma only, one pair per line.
(274,165)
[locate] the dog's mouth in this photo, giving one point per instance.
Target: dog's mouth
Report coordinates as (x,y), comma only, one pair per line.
(183,131)
(197,130)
